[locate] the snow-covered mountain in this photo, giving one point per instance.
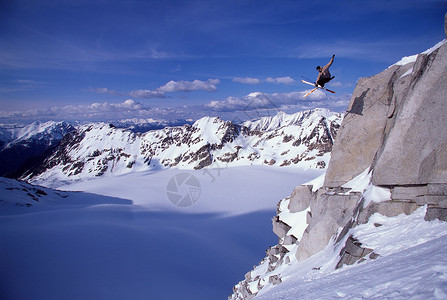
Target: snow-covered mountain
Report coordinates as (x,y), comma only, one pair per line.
(144,125)
(303,139)
(18,143)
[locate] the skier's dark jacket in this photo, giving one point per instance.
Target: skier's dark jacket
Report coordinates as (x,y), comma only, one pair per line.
(324,72)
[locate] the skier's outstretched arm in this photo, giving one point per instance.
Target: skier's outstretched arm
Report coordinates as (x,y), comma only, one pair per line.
(330,62)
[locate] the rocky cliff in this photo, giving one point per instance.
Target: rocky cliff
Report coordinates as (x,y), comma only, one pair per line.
(389,157)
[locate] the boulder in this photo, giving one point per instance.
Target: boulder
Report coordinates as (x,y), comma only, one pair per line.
(279,227)
(275,279)
(354,252)
(300,198)
(289,240)
(316,239)
(434,213)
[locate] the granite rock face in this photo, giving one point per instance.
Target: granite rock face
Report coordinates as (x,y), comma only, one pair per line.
(414,146)
(394,130)
(395,127)
(361,132)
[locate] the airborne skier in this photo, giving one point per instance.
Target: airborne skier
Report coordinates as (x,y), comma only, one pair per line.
(323,74)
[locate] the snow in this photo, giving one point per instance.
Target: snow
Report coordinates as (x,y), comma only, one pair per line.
(360,182)
(412,264)
(286,140)
(411,59)
(407,73)
(234,190)
(296,220)
(406,60)
(376,194)
(317,182)
(282,119)
(120,237)
(16,133)
(432,49)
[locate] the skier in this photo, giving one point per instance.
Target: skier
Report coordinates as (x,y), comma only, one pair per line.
(324,76)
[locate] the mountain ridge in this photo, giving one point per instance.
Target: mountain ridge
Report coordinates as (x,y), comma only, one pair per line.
(303,139)
(20,143)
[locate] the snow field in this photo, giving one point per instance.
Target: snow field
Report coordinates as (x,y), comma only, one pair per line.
(125,240)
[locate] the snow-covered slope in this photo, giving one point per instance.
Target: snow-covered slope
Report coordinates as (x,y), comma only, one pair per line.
(304,140)
(404,244)
(282,119)
(120,237)
(144,125)
(21,142)
(412,264)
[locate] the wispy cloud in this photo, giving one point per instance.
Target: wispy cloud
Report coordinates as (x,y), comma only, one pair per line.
(105,91)
(277,80)
(147,94)
(20,85)
(379,50)
(250,106)
(281,80)
(40,49)
(96,111)
(247,80)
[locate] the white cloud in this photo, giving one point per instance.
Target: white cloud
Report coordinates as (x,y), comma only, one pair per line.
(187,86)
(259,100)
(247,80)
(147,94)
(281,80)
(96,111)
(335,83)
(177,86)
(105,91)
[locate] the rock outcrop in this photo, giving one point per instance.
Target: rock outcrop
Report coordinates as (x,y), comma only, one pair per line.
(393,139)
(395,128)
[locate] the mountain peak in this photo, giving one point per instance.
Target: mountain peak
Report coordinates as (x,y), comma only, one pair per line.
(282,119)
(96,149)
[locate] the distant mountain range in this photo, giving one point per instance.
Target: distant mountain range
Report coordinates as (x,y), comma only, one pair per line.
(67,152)
(21,145)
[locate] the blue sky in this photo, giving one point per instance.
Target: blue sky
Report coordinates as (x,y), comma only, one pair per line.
(107,60)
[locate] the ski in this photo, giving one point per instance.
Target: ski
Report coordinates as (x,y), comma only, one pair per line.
(310,92)
(320,87)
